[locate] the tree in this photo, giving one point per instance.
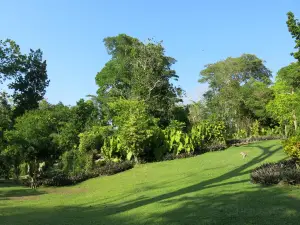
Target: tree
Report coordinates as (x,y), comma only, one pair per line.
(285,106)
(5,114)
(33,137)
(5,124)
(197,112)
(256,95)
(294,28)
(30,86)
(11,59)
(290,75)
(226,80)
(139,71)
(80,117)
(235,71)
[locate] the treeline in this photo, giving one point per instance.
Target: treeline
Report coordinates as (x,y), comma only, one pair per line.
(137,114)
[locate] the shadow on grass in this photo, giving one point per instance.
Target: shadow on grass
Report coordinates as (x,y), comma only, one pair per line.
(210,183)
(264,206)
(10,190)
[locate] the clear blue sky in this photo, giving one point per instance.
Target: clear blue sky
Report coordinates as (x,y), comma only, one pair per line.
(70,33)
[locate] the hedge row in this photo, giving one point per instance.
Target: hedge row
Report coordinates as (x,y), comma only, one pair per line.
(61,179)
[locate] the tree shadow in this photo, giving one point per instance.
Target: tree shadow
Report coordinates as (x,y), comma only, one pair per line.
(206,184)
(11,190)
(262,206)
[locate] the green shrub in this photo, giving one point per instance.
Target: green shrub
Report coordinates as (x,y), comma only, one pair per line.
(134,126)
(291,147)
(255,129)
(75,162)
(93,139)
(240,134)
(275,131)
(112,148)
(208,133)
(177,141)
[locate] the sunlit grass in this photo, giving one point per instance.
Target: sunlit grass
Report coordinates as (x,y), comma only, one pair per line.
(213,188)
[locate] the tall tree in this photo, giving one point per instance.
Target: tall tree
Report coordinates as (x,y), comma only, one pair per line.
(285,106)
(226,79)
(139,71)
(256,95)
(294,28)
(11,59)
(5,124)
(30,85)
(5,113)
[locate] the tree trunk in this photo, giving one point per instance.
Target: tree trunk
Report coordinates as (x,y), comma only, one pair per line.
(136,159)
(33,170)
(295,121)
(17,171)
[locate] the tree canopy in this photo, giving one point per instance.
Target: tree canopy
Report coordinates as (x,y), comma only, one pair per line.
(139,71)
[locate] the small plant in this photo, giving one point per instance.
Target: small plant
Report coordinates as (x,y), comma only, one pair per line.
(177,141)
(255,129)
(274,173)
(240,134)
(292,147)
(266,174)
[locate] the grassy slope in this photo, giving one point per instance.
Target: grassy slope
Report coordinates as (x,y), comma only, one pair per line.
(213,188)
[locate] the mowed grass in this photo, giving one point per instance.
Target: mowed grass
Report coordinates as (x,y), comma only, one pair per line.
(213,188)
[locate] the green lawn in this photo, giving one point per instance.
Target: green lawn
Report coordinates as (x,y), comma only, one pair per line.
(213,188)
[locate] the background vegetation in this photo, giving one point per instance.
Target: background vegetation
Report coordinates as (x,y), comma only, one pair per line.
(137,115)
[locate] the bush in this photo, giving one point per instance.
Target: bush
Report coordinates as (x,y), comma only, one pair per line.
(65,180)
(267,174)
(274,173)
(111,168)
(291,176)
(93,139)
(215,147)
(176,140)
(60,178)
(172,156)
(74,162)
(245,141)
(208,133)
(292,147)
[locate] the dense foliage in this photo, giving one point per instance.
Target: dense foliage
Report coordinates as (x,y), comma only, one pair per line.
(138,116)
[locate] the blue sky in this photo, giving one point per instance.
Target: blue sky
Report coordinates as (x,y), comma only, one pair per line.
(70,33)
